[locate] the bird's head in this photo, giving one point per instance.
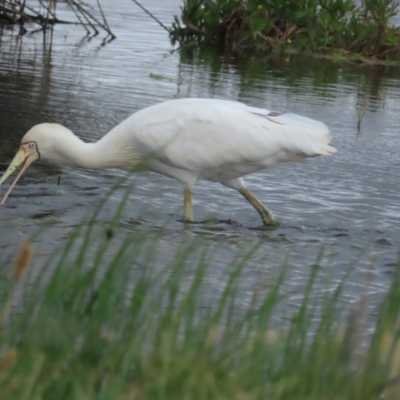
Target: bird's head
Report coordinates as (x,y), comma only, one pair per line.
(40,142)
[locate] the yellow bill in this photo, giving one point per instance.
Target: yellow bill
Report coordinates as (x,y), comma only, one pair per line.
(25,156)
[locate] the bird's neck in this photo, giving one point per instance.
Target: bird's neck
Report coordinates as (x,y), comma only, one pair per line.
(101,154)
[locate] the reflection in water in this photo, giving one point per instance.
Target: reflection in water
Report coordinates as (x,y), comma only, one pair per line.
(348,204)
(371,85)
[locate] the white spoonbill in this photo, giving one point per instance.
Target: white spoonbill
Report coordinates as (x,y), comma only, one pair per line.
(185,139)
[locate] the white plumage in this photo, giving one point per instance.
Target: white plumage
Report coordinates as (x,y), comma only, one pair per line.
(186,139)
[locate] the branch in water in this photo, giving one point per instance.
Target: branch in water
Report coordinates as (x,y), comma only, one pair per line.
(152,16)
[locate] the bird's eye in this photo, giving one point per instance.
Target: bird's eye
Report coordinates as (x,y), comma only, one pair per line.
(32,145)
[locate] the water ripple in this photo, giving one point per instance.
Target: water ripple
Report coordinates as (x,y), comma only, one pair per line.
(347,203)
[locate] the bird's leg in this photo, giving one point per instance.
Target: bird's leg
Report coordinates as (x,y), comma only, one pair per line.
(187,205)
(265,213)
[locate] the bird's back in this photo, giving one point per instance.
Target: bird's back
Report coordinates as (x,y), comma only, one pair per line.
(219,139)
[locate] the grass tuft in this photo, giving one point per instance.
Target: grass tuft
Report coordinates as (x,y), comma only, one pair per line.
(23,259)
(105,319)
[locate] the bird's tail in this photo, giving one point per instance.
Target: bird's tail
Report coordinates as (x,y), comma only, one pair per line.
(327,150)
(314,135)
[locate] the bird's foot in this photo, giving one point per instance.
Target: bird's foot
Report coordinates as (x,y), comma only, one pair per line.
(187,220)
(268,218)
(270,223)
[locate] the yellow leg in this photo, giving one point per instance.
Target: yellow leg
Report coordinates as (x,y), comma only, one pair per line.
(265,213)
(187,206)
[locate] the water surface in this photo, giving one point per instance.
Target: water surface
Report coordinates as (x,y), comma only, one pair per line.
(348,204)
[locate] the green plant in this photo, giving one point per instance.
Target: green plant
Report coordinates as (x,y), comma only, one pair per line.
(103,319)
(319,26)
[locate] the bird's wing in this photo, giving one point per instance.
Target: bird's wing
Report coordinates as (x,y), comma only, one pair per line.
(196,134)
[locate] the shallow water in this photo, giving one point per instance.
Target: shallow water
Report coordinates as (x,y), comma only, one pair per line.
(348,204)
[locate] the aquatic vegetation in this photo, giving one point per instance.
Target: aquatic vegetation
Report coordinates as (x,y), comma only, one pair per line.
(361,115)
(43,15)
(103,320)
(342,27)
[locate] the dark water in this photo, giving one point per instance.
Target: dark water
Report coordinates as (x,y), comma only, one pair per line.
(347,204)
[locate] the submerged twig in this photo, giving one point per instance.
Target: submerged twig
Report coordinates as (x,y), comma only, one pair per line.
(87,14)
(82,22)
(152,16)
(80,9)
(104,18)
(361,115)
(18,12)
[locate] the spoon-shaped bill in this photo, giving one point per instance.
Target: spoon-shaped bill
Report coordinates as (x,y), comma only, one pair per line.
(25,156)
